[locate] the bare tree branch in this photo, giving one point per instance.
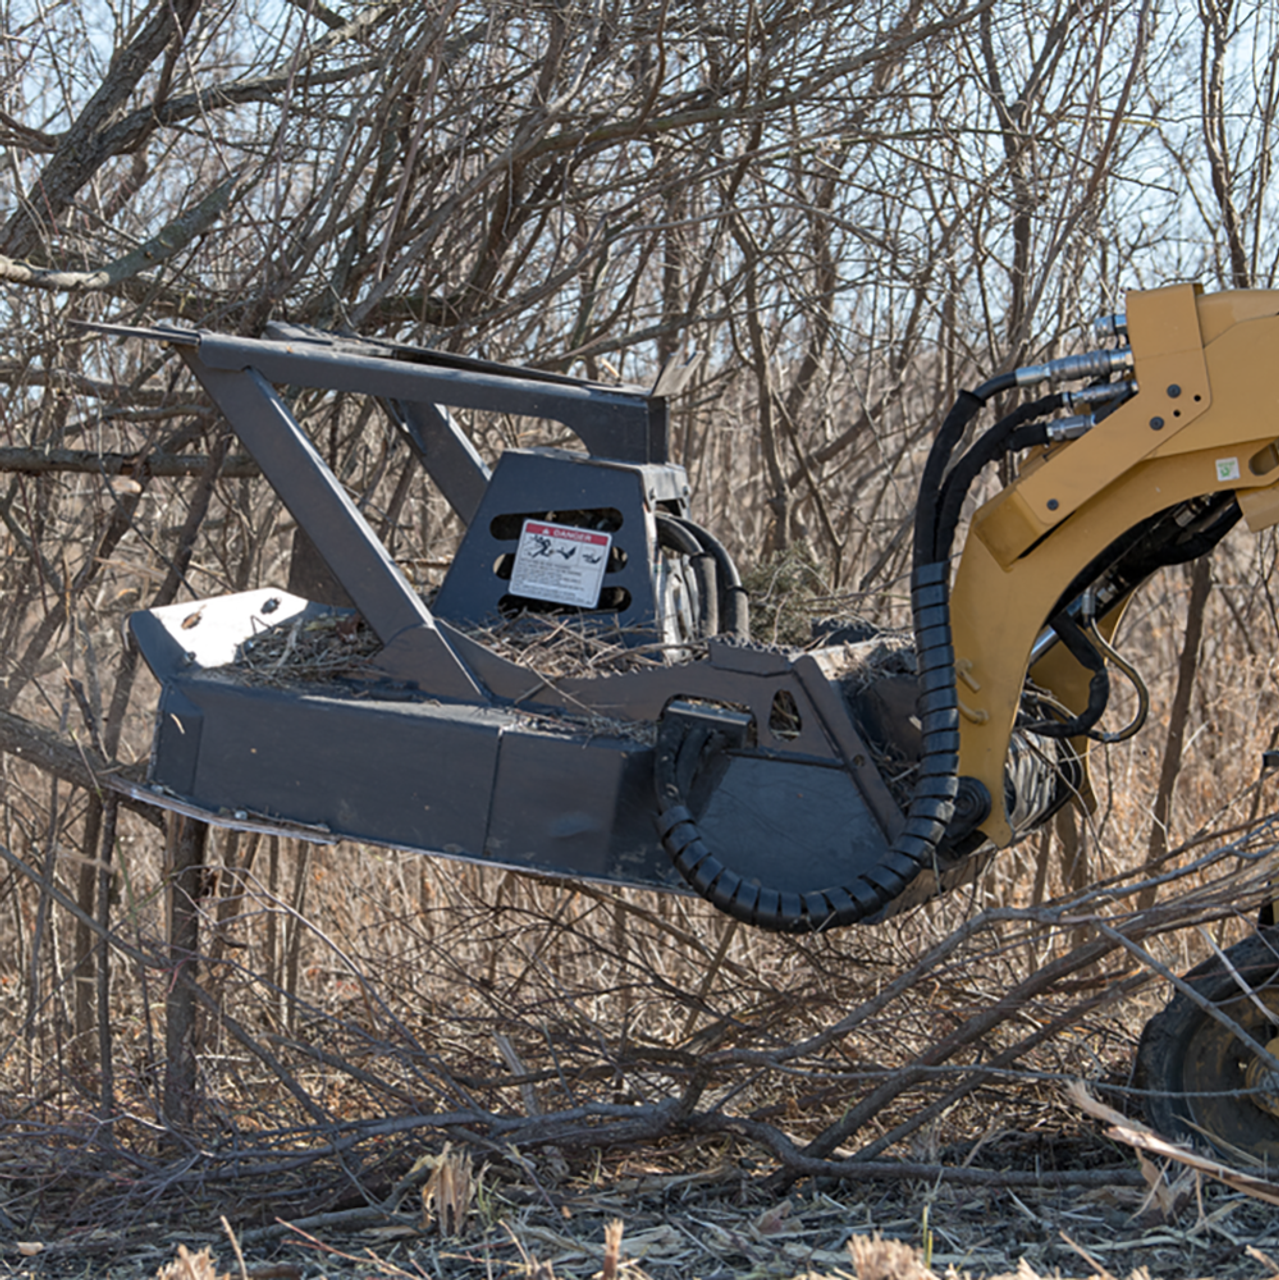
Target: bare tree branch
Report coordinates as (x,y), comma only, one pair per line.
(174,237)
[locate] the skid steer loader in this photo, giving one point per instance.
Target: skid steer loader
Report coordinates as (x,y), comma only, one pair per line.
(796,791)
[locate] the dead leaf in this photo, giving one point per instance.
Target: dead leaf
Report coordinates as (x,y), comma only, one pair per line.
(875,1258)
(1167,1195)
(124,484)
(29,1248)
(771,1221)
(191,1266)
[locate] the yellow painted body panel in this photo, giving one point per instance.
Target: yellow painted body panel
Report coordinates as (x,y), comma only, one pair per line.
(1205,419)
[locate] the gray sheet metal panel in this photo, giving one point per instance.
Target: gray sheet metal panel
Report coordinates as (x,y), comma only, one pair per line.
(483,785)
(789,825)
(164,653)
(468,783)
(175,750)
(536,481)
(413,774)
(578,807)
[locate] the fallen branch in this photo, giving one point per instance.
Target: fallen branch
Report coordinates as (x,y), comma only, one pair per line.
(77,763)
(88,462)
(1142,1138)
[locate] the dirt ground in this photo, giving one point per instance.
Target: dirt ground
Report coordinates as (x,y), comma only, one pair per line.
(721,1219)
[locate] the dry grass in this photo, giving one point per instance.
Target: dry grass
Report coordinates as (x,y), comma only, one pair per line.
(333,646)
(652,1228)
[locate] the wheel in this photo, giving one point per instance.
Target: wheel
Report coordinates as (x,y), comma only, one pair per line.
(1205,1084)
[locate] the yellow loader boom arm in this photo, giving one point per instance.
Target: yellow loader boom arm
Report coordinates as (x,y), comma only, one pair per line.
(1197,434)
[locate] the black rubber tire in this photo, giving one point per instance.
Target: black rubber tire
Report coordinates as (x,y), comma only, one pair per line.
(1193,1067)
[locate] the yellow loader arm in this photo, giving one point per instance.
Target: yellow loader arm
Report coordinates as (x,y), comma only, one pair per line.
(1192,446)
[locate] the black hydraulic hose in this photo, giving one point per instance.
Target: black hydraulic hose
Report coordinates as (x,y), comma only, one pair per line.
(991,446)
(672,533)
(993,386)
(965,409)
(1082,649)
(1172,536)
(932,803)
(734,602)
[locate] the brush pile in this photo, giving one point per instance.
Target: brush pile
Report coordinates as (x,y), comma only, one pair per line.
(304,651)
(340,646)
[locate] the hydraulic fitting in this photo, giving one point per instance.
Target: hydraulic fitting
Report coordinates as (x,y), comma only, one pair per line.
(1091,364)
(1115,326)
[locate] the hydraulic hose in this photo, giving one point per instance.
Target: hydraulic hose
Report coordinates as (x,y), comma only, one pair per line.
(1085,653)
(966,407)
(734,600)
(1173,536)
(1116,659)
(993,444)
(671,533)
(937,785)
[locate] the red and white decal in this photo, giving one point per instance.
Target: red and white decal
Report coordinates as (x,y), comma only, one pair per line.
(560,564)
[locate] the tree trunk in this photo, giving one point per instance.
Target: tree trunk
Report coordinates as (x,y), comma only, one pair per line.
(1187,667)
(187,840)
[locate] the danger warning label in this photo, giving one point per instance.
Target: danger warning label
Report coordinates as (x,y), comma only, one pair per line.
(560,564)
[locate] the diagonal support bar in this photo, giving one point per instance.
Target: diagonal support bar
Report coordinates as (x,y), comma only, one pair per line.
(445,453)
(413,649)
